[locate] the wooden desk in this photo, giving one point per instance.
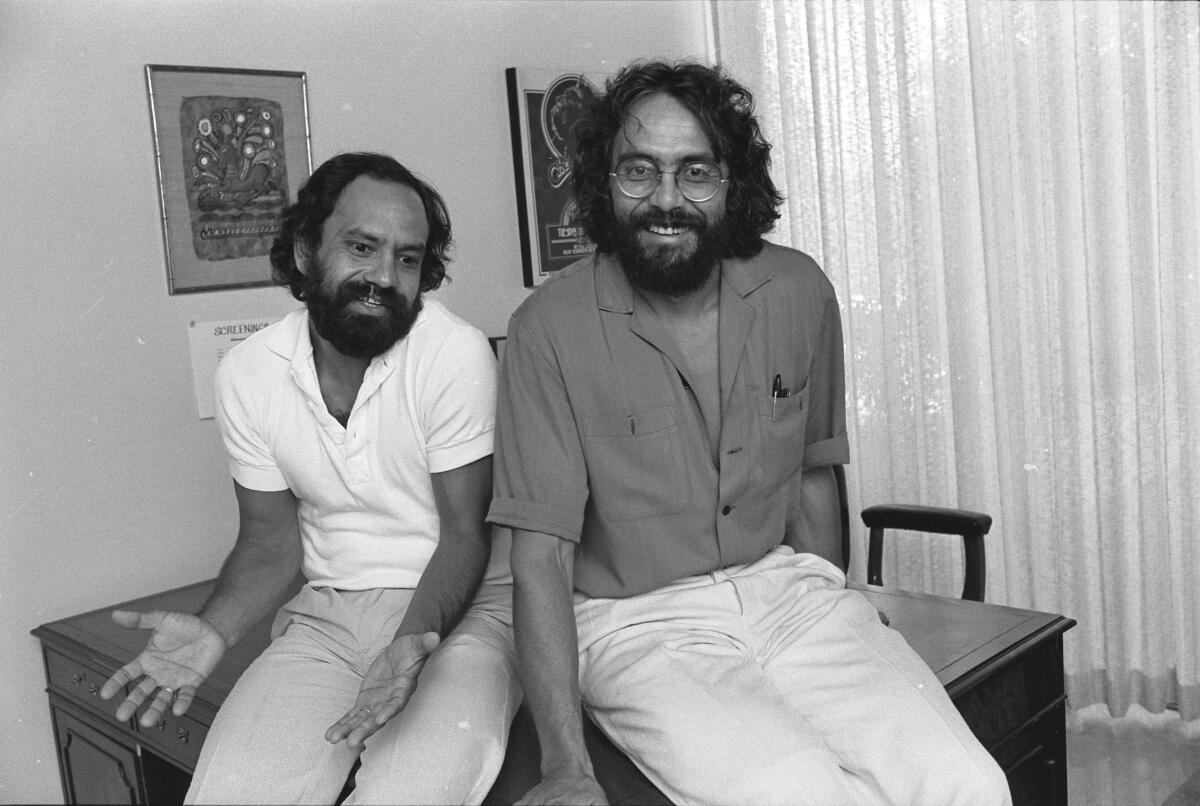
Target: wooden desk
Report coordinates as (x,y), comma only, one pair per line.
(1002,667)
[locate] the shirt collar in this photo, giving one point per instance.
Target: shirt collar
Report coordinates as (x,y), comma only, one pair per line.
(614,293)
(292,340)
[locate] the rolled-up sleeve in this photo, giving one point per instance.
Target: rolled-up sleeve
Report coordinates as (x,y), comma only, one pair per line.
(540,475)
(825,435)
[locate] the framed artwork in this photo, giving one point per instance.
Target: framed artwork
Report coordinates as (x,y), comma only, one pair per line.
(542,107)
(231,148)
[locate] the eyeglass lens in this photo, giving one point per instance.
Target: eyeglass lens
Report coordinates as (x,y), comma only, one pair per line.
(697,181)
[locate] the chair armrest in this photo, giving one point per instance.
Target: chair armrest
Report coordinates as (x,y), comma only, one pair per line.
(926,519)
(972,526)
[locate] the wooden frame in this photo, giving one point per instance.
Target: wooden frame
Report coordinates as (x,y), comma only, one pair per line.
(231,147)
(542,105)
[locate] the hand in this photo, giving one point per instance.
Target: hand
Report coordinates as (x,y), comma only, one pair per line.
(583,790)
(182,651)
(386,688)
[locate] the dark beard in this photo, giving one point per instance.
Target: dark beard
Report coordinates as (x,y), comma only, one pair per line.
(663,269)
(353,334)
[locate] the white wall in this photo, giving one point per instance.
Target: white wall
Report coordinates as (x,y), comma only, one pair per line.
(110,487)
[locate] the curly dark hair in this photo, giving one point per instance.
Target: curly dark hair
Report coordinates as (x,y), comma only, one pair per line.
(725,110)
(304,220)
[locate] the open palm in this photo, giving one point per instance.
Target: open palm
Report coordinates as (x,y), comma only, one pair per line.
(386,688)
(182,651)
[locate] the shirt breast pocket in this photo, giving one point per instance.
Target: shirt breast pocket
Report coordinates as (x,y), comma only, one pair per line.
(782,430)
(635,465)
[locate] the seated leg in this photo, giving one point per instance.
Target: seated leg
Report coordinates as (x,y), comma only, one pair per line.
(267,743)
(447,745)
(670,679)
(878,708)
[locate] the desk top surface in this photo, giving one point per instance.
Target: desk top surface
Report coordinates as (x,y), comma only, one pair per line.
(957,638)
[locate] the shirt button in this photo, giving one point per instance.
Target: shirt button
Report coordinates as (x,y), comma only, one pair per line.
(725,510)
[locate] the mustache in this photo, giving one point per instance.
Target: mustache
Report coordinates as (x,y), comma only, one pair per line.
(360,289)
(669,218)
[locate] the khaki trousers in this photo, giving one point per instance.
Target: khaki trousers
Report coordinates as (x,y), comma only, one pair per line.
(267,743)
(772,683)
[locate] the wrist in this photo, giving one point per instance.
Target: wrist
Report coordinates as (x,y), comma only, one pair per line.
(227,637)
(564,762)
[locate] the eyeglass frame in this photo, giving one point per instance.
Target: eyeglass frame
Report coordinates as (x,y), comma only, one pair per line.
(675,173)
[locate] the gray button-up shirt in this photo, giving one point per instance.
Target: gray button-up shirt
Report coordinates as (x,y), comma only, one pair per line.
(600,440)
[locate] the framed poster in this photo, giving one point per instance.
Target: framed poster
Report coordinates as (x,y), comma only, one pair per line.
(231,147)
(542,107)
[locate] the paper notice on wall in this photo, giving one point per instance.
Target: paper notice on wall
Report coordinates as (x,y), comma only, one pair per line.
(210,341)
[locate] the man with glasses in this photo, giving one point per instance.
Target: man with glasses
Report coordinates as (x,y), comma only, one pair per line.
(669,412)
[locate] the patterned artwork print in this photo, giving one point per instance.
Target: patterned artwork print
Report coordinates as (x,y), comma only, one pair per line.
(236,174)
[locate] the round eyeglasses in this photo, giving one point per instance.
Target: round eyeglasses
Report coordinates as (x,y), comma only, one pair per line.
(697,181)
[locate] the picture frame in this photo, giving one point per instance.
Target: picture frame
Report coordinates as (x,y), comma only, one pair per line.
(231,147)
(543,105)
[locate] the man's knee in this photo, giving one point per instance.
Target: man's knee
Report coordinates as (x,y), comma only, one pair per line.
(807,777)
(981,783)
(461,772)
(988,786)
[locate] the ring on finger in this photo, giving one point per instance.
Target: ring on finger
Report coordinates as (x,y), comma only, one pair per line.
(366,709)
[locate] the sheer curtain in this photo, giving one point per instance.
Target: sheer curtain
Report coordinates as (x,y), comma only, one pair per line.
(1005,195)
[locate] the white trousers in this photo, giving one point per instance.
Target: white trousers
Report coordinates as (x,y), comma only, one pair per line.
(773,683)
(267,743)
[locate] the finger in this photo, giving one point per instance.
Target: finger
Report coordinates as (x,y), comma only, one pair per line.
(127,709)
(158,706)
(389,709)
(136,697)
(133,620)
(183,700)
(132,703)
(429,642)
(125,618)
(126,674)
(342,728)
(338,730)
(375,720)
(361,733)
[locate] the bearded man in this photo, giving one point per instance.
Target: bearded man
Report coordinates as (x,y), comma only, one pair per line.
(359,432)
(669,412)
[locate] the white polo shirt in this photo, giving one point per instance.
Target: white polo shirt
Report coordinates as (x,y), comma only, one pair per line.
(366,506)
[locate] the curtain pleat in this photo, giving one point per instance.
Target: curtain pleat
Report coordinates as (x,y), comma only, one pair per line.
(1006,195)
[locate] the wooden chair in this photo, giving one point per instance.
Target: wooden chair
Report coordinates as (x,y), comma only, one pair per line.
(971,526)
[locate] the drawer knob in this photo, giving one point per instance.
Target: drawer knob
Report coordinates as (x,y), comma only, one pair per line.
(93,689)
(161,725)
(76,679)
(182,735)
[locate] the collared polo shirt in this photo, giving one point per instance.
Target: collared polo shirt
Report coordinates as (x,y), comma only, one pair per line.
(365,494)
(600,440)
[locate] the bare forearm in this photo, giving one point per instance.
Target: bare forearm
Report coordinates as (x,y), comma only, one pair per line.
(447,586)
(252,584)
(452,577)
(547,641)
(262,566)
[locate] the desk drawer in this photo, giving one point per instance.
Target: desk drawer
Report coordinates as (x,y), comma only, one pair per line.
(79,682)
(1035,761)
(999,705)
(177,737)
